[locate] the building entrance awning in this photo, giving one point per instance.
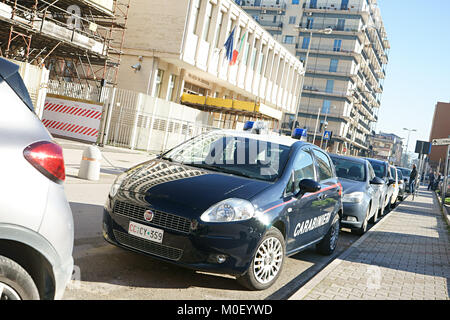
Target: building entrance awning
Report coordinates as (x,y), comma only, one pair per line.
(231,106)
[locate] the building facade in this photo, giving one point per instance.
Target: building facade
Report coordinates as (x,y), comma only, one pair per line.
(184,60)
(440,129)
(386,146)
(347,49)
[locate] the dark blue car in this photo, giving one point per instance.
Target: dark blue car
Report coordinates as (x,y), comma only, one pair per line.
(228,202)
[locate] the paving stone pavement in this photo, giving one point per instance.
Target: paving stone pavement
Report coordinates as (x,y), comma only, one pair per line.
(406,256)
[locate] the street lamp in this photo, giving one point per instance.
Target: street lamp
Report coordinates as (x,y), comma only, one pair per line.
(409,134)
(324,31)
(325,124)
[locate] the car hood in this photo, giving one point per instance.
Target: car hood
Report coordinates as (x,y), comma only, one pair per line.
(351,186)
(182,189)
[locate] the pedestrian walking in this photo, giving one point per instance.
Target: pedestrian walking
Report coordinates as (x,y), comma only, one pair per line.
(431,180)
(412,179)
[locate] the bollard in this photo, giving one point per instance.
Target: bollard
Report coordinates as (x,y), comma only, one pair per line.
(90,164)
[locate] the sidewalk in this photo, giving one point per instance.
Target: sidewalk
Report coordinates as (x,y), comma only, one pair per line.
(405,256)
(114,160)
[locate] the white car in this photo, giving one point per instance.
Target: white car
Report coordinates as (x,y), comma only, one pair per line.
(36,223)
(394,177)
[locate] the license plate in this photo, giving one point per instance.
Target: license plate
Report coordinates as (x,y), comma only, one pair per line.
(145,232)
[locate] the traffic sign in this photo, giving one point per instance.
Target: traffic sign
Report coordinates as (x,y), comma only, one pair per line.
(327,135)
(441,142)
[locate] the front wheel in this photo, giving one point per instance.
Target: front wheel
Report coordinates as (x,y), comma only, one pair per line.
(329,242)
(363,229)
(267,262)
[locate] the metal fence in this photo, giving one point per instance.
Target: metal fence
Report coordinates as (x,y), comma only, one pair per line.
(138,121)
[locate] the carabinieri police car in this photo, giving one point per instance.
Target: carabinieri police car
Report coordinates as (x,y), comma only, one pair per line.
(232,202)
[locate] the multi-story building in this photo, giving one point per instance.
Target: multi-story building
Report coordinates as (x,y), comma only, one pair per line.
(344,46)
(386,146)
(183,60)
(440,129)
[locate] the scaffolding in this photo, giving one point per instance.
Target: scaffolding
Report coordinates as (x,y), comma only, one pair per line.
(79,42)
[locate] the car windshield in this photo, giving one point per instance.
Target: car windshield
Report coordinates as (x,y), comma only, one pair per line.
(406,172)
(349,169)
(236,155)
(379,168)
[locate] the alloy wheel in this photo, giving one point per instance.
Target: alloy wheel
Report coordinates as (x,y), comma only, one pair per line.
(268,260)
(8,293)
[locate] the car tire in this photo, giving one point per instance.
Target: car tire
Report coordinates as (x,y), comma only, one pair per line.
(269,257)
(388,205)
(328,244)
(15,282)
(393,205)
(381,209)
(374,219)
(365,224)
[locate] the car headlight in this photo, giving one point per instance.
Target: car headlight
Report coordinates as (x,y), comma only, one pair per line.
(229,210)
(117,183)
(354,197)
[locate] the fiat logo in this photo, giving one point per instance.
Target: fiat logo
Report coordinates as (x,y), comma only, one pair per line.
(148,215)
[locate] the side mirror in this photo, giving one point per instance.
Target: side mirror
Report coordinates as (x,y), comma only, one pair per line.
(308,186)
(377,181)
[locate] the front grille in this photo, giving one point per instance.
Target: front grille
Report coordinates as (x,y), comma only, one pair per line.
(160,219)
(147,246)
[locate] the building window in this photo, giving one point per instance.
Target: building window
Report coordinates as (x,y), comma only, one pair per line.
(289,39)
(330,86)
(340,25)
(261,61)
(292,19)
(194,21)
(172,81)
(208,18)
(159,80)
(309,23)
(344,5)
(313,4)
(334,65)
(218,28)
(295,1)
(326,106)
(337,45)
(305,43)
(253,61)
(274,19)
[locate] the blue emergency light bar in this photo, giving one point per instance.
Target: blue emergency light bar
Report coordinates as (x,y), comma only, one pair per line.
(248,125)
(299,133)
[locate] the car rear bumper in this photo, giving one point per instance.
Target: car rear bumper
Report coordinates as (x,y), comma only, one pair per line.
(63,274)
(197,249)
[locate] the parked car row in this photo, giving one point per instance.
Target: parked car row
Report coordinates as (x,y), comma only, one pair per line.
(226,201)
(370,188)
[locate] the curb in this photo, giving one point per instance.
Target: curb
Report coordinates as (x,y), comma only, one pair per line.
(445,209)
(312,283)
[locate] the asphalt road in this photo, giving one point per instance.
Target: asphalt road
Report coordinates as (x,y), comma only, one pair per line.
(106,272)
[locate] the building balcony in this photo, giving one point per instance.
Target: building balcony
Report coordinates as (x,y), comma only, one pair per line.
(264,8)
(337,8)
(270,25)
(325,70)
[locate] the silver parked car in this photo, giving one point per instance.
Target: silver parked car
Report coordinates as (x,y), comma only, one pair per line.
(36,223)
(362,193)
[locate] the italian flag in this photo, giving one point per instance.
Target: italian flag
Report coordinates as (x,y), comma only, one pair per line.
(237,53)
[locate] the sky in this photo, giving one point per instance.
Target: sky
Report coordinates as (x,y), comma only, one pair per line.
(418,73)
